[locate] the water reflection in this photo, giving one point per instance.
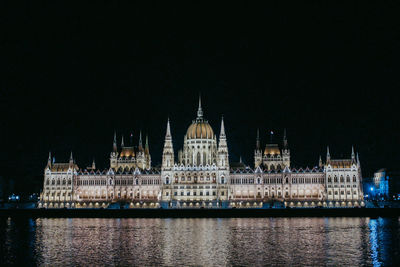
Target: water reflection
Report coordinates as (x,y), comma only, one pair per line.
(208,242)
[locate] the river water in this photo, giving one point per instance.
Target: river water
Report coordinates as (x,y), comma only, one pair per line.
(201,242)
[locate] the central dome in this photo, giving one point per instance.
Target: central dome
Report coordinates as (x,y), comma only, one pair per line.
(200,130)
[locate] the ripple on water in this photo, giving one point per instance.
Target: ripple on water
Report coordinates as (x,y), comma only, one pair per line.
(205,242)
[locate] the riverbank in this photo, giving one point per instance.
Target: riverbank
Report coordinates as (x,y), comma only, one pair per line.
(200,213)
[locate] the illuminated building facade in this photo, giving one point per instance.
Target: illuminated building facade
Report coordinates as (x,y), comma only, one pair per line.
(202,176)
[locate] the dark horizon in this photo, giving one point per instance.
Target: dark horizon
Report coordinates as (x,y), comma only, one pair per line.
(74,74)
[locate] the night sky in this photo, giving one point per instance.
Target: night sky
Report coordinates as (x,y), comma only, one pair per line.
(72,73)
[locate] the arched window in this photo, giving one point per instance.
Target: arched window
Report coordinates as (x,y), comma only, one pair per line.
(167,180)
(341,179)
(329,179)
(58,182)
(287,180)
(354,179)
(47,182)
(258,181)
(198,158)
(204,158)
(222,180)
(64,182)
(348,179)
(272,167)
(278,167)
(335,179)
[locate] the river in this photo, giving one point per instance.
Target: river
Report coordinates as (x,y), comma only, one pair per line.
(201,242)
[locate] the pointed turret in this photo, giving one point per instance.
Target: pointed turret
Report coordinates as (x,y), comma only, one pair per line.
(49,160)
(358,160)
(222,133)
(328,155)
(140,141)
(222,136)
(147,153)
(146,146)
(353,155)
(168,152)
(122,141)
(93,165)
(257,151)
(223,156)
(71,159)
(114,153)
(168,132)
(285,142)
(115,142)
(320,162)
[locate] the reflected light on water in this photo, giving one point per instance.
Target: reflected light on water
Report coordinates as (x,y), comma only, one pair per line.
(206,242)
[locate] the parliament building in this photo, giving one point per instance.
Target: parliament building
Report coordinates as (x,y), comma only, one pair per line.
(201,176)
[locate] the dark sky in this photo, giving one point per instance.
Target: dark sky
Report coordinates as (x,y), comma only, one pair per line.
(71,73)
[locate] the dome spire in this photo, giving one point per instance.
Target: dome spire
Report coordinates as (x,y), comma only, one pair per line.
(199,110)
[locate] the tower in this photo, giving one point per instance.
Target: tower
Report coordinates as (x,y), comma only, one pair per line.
(49,161)
(115,143)
(140,157)
(328,156)
(71,160)
(285,151)
(223,157)
(257,151)
(353,155)
(114,153)
(168,152)
(147,153)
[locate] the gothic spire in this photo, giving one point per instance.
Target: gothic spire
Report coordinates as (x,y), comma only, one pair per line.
(71,159)
(285,142)
(146,146)
(168,151)
(222,137)
(122,141)
(115,142)
(49,159)
(168,133)
(258,140)
(328,155)
(140,140)
(352,153)
(222,133)
(93,165)
(320,161)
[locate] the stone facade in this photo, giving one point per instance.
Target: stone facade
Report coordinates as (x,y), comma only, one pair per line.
(202,176)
